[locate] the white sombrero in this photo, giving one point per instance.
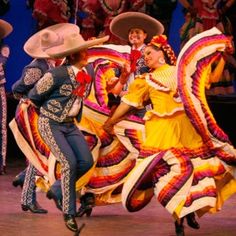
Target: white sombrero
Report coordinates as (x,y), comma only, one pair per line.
(122,23)
(5,29)
(73,43)
(47,38)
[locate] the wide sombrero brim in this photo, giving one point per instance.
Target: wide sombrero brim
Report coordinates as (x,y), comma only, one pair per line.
(33,45)
(64,50)
(121,24)
(5,29)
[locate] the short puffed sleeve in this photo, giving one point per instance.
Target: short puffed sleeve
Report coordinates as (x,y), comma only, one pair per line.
(138,93)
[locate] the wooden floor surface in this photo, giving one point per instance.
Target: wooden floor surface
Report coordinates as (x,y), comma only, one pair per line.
(112,220)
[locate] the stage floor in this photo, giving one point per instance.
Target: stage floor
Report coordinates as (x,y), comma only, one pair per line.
(110,220)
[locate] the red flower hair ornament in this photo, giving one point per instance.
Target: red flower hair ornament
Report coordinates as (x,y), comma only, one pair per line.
(83,79)
(159,41)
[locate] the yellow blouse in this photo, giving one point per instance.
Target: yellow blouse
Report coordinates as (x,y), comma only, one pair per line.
(167,124)
(160,87)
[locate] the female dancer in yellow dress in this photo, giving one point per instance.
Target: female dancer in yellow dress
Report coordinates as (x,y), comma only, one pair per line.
(186,160)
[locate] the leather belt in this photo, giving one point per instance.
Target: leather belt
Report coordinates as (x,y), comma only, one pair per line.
(68,120)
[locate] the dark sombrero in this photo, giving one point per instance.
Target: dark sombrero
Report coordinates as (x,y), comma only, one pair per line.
(122,23)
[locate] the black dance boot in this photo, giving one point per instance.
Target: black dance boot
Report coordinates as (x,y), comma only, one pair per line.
(34,208)
(18,181)
(179,227)
(192,221)
(58,202)
(70,222)
(87,202)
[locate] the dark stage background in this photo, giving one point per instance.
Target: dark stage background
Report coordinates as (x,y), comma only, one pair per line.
(24,26)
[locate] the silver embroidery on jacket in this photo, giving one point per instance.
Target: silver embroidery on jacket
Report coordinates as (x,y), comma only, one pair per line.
(45,83)
(32,75)
(66,89)
(54,106)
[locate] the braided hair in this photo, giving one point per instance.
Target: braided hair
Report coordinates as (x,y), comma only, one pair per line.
(160,42)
